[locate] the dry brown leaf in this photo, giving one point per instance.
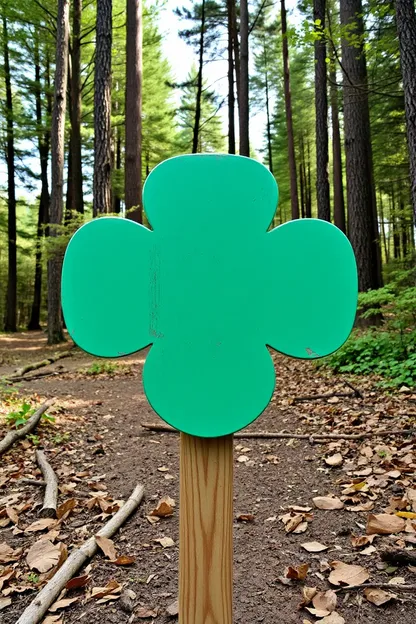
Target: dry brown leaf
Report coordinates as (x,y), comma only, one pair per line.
(301,528)
(62,604)
(293,523)
(368,551)
(7,554)
(5,602)
(344,573)
(66,508)
(299,573)
(77,582)
(325,601)
(362,540)
(107,546)
(12,514)
(334,460)
(245,518)
(378,596)
(166,542)
(368,506)
(146,612)
(52,619)
(319,613)
(384,524)
(43,555)
(327,502)
(406,514)
(173,609)
(314,547)
(164,507)
(40,525)
(152,519)
(308,593)
(333,618)
(124,560)
(6,575)
(112,588)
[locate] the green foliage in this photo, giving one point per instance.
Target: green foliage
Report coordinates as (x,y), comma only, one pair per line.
(20,416)
(101,368)
(389,351)
(61,438)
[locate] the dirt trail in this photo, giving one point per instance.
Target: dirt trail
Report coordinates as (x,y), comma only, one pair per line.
(101,417)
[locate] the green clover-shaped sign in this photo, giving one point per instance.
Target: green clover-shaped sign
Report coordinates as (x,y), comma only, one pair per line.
(209,288)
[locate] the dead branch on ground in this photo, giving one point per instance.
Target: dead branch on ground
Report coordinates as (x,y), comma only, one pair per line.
(18,434)
(39,606)
(50,500)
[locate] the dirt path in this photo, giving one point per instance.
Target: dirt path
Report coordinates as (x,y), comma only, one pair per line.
(98,432)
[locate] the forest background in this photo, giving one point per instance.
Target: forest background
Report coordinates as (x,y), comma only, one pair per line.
(93,95)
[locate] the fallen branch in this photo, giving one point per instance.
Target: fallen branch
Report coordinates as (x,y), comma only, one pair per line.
(399,557)
(39,606)
(410,587)
(357,392)
(315,397)
(38,482)
(18,434)
(46,362)
(37,376)
(313,437)
(50,500)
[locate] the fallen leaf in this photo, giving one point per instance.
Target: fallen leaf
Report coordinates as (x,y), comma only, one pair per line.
(299,573)
(7,554)
(319,613)
(12,514)
(327,502)
(107,546)
(112,588)
(146,612)
(406,514)
(163,469)
(362,540)
(173,609)
(314,547)
(347,574)
(166,542)
(242,459)
(245,518)
(378,596)
(52,619)
(325,601)
(40,525)
(66,508)
(308,593)
(152,519)
(5,602)
(368,551)
(334,460)
(333,618)
(77,582)
(164,507)
(384,524)
(43,555)
(62,604)
(301,528)
(124,560)
(397,580)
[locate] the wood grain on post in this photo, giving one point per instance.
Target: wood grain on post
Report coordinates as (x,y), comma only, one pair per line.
(206,530)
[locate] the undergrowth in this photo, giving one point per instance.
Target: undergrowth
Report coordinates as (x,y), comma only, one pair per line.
(388,350)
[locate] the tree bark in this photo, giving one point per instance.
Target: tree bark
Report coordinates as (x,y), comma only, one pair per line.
(11,304)
(198,102)
(289,117)
(236,50)
(362,212)
(55,326)
(102,110)
(406,28)
(244,81)
(134,73)
(321,112)
(231,96)
(268,116)
(76,109)
(43,149)
(338,185)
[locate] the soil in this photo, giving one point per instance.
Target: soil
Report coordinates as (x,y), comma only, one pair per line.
(99,418)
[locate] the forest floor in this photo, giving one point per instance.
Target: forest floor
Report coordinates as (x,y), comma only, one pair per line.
(100,452)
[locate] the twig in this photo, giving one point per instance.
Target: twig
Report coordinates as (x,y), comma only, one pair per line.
(18,434)
(313,437)
(409,587)
(357,392)
(39,606)
(38,375)
(316,397)
(38,482)
(50,500)
(46,362)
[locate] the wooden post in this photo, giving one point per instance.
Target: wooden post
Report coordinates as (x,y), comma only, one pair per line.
(206,530)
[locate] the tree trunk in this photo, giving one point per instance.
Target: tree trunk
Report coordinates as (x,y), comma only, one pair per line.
(338,185)
(406,28)
(198,102)
(236,50)
(268,117)
(55,327)
(383,227)
(321,112)
(362,214)
(102,110)
(11,304)
(231,96)
(289,117)
(308,186)
(134,73)
(75,110)
(244,81)
(43,148)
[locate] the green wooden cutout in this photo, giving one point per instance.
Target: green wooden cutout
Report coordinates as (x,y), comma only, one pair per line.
(209,288)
